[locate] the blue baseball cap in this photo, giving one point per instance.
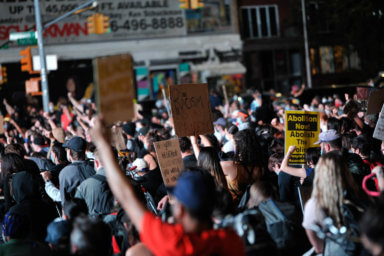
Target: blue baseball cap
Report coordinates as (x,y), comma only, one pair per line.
(57,230)
(194,190)
(77,144)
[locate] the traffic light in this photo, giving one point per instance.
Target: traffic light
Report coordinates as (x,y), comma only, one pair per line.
(3,75)
(26,60)
(196,4)
(191,4)
(98,24)
(184,4)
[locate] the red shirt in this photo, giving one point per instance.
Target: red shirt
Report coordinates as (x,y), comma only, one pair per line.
(166,239)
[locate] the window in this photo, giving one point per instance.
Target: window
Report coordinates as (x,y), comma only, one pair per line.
(260,21)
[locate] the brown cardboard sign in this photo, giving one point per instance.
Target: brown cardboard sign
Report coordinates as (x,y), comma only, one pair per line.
(191,109)
(115,88)
(170,161)
(1,124)
(375,101)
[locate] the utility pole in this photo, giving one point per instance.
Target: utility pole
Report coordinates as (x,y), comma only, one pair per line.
(40,43)
(43,65)
(306,48)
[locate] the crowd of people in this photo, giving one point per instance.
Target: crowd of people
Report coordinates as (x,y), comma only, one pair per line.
(73,186)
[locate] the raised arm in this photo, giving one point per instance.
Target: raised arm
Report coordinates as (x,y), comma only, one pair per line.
(118,182)
(298,172)
(75,103)
(195,146)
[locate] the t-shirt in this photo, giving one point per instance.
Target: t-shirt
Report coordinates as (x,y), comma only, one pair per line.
(166,239)
(313,214)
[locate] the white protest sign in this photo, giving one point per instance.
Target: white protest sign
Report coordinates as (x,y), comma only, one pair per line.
(379,129)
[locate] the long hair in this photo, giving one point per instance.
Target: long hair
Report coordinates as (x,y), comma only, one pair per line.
(209,159)
(332,180)
(248,149)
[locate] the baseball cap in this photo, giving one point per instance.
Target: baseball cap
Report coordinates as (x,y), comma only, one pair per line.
(58,230)
(193,190)
(221,121)
(327,136)
(129,128)
(77,144)
(143,131)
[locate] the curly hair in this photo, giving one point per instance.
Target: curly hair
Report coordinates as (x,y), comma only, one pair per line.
(248,149)
(332,179)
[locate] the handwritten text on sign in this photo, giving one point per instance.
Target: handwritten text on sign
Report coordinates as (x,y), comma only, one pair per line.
(170,161)
(191,109)
(301,129)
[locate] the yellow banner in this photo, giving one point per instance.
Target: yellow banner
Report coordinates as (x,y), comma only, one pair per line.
(302,128)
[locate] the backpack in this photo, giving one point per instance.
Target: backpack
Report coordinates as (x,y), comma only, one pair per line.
(282,223)
(250,227)
(345,242)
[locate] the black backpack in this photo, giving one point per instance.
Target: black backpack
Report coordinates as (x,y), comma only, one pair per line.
(250,226)
(283,224)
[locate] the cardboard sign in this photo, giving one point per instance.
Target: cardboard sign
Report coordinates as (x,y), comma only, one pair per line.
(375,101)
(118,139)
(302,129)
(1,125)
(115,87)
(379,129)
(170,161)
(191,109)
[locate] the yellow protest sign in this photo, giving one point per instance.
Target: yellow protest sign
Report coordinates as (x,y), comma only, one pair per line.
(302,128)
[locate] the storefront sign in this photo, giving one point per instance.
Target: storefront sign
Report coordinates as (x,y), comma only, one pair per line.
(128,19)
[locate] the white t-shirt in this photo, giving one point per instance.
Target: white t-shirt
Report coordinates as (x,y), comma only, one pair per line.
(313,214)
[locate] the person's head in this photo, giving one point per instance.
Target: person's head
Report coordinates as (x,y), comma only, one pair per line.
(91,236)
(231,131)
(372,228)
(258,192)
(129,129)
(75,149)
(312,156)
(37,142)
(329,140)
(334,123)
(194,196)
(11,163)
(209,160)
(15,226)
(59,156)
(332,180)
(248,151)
(15,148)
(73,208)
(58,233)
(185,145)
(361,146)
(220,124)
(274,162)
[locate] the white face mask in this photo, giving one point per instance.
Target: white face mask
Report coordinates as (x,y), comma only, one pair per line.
(90,155)
(51,156)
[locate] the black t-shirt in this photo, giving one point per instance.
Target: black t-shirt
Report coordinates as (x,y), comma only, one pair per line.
(287,188)
(189,161)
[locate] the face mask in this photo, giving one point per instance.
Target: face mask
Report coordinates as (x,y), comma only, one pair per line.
(227,137)
(159,103)
(52,158)
(90,155)
(326,112)
(239,121)
(51,109)
(145,146)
